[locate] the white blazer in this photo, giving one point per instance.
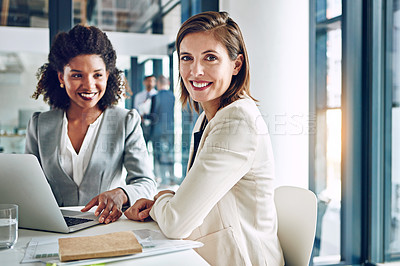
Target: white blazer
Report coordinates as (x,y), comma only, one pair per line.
(226,200)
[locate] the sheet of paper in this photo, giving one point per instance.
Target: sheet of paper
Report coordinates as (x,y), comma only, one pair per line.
(41,249)
(45,249)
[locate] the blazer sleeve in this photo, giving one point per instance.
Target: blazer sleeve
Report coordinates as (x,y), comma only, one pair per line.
(140,179)
(226,156)
(31,141)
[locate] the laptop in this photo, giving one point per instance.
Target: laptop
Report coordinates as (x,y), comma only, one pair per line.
(23,182)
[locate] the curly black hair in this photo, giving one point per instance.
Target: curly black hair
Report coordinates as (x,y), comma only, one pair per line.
(80,40)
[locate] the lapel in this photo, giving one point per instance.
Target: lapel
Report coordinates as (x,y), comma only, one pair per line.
(49,141)
(50,132)
(196,128)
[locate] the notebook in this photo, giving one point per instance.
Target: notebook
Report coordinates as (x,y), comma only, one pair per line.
(23,182)
(99,246)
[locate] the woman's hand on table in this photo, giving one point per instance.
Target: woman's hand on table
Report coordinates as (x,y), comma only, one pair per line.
(141,209)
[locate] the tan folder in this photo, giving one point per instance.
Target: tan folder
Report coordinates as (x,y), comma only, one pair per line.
(100,246)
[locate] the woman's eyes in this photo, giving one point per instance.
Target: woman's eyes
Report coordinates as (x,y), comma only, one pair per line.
(185,58)
(211,58)
(207,58)
(97,75)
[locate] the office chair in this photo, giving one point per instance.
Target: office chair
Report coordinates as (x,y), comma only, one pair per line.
(297,217)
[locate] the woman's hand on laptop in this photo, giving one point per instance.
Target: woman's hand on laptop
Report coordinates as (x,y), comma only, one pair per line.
(109,205)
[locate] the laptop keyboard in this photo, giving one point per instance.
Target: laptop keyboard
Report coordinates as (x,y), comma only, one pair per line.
(71,221)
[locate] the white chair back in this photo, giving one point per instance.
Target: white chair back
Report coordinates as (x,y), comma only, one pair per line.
(297,217)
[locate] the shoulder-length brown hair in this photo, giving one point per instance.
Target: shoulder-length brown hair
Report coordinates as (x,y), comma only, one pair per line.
(226,31)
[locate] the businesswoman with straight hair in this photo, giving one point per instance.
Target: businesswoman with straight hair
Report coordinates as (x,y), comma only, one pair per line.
(226,199)
(84,142)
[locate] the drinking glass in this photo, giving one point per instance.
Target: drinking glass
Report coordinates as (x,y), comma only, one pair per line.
(8,225)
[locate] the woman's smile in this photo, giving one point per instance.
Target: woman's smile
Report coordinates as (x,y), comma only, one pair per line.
(88,96)
(200,85)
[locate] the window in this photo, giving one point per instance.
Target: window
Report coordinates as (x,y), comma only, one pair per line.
(368,105)
(393,249)
(327,138)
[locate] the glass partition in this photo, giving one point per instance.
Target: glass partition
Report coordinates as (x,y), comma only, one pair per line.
(32,13)
(17,84)
(139,16)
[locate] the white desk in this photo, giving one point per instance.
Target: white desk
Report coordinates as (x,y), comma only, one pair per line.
(13,256)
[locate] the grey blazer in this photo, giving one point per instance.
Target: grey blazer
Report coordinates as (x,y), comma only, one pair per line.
(119,143)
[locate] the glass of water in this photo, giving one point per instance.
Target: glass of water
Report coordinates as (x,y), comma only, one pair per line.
(8,225)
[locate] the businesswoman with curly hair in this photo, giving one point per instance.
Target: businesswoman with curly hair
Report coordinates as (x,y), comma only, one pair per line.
(84,141)
(226,199)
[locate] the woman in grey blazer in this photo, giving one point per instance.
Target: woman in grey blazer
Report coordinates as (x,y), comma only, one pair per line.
(85,143)
(226,200)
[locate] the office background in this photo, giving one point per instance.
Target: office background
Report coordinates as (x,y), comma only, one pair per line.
(325,73)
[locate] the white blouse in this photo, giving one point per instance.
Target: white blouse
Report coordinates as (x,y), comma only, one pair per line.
(72,163)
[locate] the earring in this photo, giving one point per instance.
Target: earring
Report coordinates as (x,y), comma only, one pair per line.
(61,85)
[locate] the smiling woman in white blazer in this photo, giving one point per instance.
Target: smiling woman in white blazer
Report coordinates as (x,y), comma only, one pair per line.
(226,199)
